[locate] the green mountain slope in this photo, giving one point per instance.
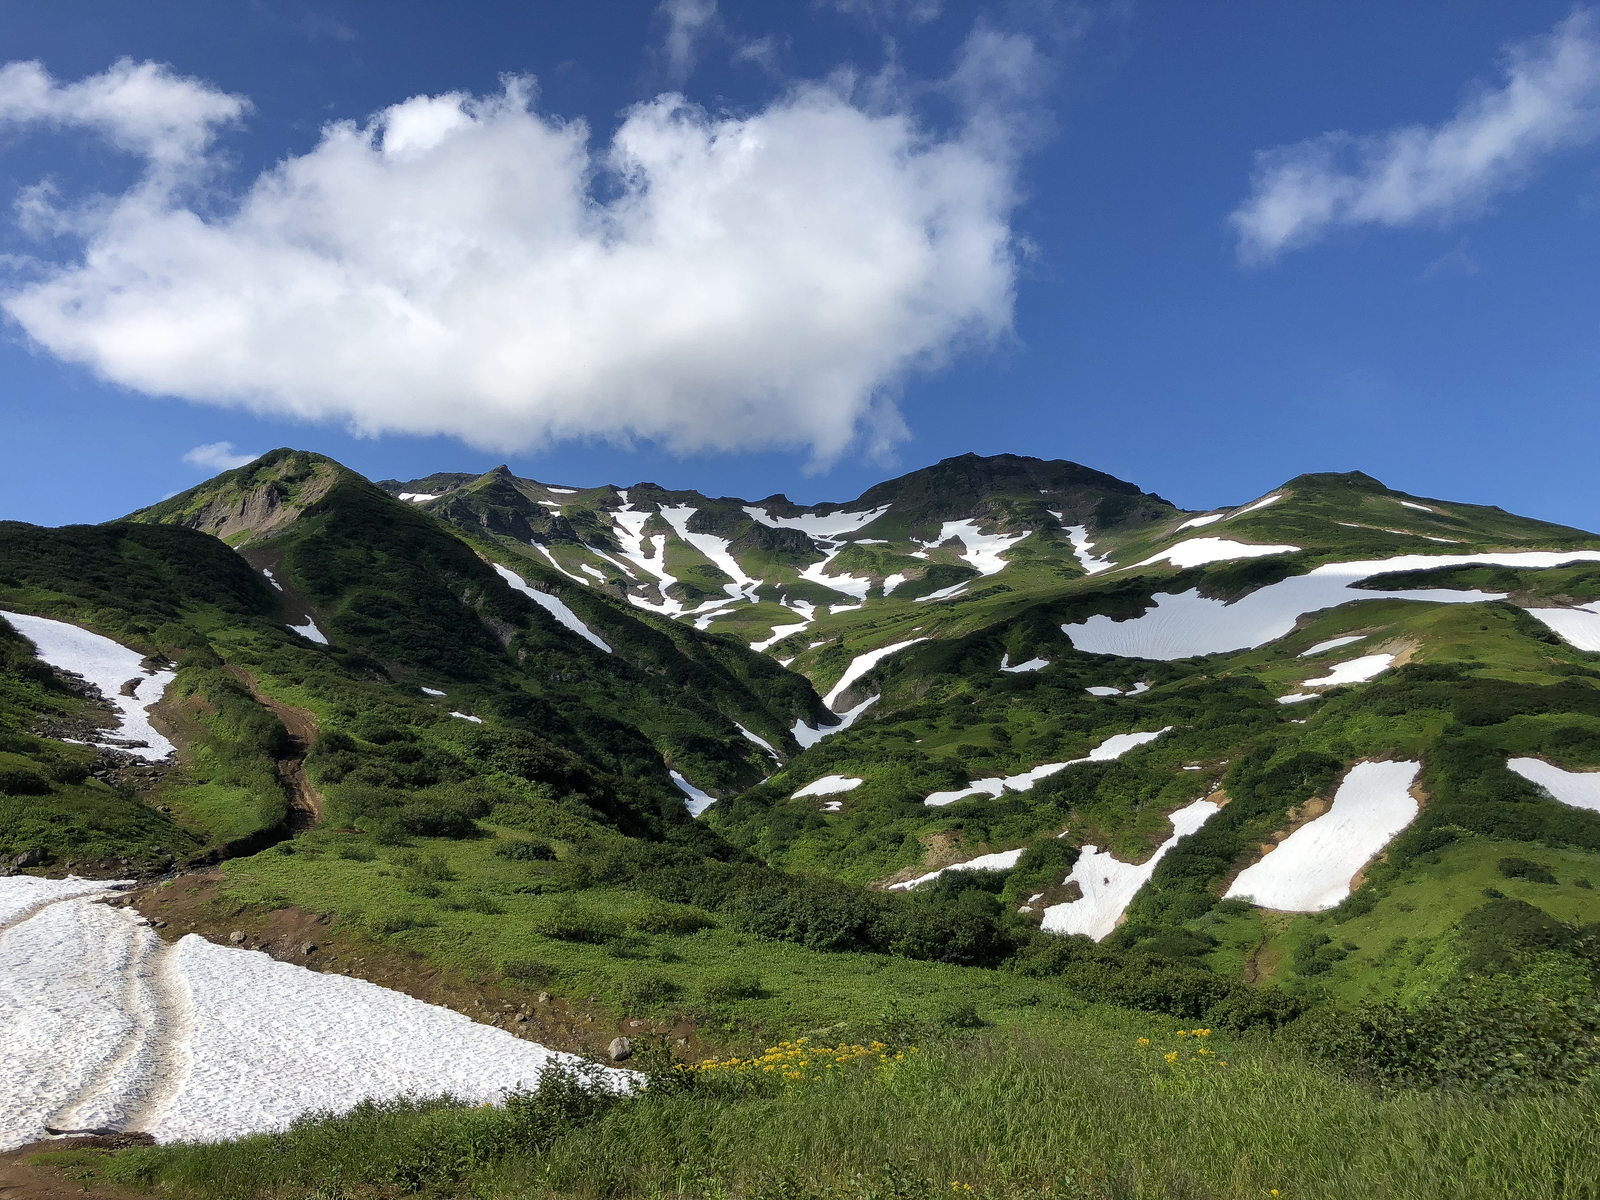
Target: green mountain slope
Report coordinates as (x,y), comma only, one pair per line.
(1038,666)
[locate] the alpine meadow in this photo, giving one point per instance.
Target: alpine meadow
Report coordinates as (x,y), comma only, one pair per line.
(999,830)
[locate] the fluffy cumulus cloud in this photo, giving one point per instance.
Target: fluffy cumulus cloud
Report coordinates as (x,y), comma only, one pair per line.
(469,266)
(1550,100)
(217,456)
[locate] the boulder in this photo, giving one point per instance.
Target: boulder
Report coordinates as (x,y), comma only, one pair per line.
(621,1048)
(237,937)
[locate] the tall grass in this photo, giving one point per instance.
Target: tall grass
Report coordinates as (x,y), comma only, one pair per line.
(1065,1112)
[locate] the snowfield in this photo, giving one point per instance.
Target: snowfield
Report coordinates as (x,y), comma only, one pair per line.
(1003,861)
(1580,789)
(809,737)
(1580,626)
(1109,884)
(1078,535)
(1113,747)
(110,667)
(828,785)
(1197,552)
(552,605)
(103,1026)
(1178,626)
(1011,668)
(1202,522)
(828,525)
(1311,869)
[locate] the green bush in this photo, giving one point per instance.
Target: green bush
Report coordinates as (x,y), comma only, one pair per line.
(645,989)
(725,988)
(526,850)
(24,783)
(1514,867)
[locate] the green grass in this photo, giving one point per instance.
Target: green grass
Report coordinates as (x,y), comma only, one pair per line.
(1059,1105)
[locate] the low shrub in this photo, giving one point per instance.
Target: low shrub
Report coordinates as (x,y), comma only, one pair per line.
(1514,867)
(24,783)
(723,989)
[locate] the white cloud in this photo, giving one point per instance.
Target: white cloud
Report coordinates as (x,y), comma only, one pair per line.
(1550,100)
(139,107)
(471,267)
(687,20)
(217,456)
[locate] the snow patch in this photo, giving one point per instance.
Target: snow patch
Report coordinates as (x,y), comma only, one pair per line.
(1033,664)
(1109,884)
(545,550)
(758,740)
(818,525)
(982,550)
(1078,535)
(428,691)
(861,664)
(467,717)
(553,605)
(694,800)
(102,1026)
(1261,503)
(557,491)
(808,737)
(1580,789)
(1197,552)
(1178,626)
(1579,626)
(1202,522)
(1297,697)
(109,667)
(309,631)
(1311,869)
(1357,670)
(716,549)
(1420,507)
(419,497)
(1332,644)
(1112,748)
(271,580)
(1003,861)
(828,785)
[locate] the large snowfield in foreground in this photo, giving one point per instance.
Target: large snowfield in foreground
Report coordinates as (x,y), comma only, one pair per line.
(103,1026)
(1311,869)
(1109,884)
(1178,626)
(109,667)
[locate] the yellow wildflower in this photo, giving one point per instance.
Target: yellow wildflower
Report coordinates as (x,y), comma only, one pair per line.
(1144,1041)
(1172,1057)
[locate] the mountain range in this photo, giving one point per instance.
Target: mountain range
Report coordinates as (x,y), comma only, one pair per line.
(1332,747)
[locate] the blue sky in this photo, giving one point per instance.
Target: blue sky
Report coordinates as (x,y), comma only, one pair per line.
(1202,247)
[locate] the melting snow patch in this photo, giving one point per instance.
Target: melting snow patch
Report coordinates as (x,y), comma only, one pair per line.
(1357,670)
(946,593)
(428,691)
(1421,507)
(1580,789)
(828,785)
(758,740)
(1261,503)
(1103,691)
(1178,626)
(861,664)
(829,525)
(553,605)
(545,550)
(893,581)
(1579,626)
(1033,664)
(1109,885)
(1083,548)
(111,668)
(419,497)
(271,580)
(1113,747)
(833,806)
(694,800)
(1202,522)
(105,1027)
(1197,552)
(1311,869)
(468,717)
(562,491)
(808,737)
(1003,861)
(1297,697)
(309,631)
(1331,644)
(983,550)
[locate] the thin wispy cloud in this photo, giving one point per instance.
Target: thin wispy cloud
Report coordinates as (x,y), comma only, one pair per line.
(469,266)
(1549,101)
(217,456)
(687,22)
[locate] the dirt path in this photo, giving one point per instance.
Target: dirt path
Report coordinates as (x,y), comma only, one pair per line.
(305,802)
(21,1178)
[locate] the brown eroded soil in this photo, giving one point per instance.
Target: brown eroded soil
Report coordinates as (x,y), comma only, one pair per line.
(305,802)
(76,1170)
